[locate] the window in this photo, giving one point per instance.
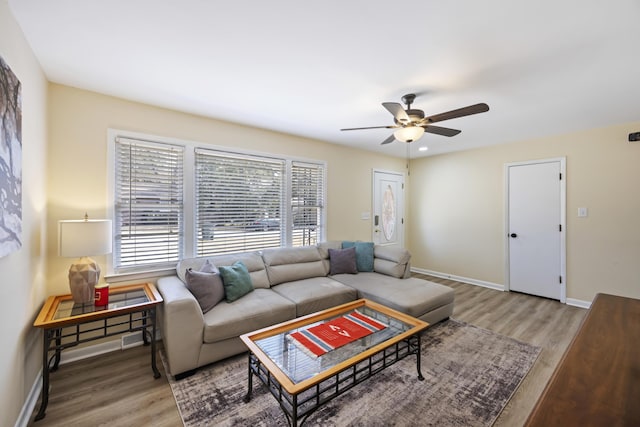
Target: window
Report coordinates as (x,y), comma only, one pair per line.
(174,200)
(307,202)
(239,202)
(148,205)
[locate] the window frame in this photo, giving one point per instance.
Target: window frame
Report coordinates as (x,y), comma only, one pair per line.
(149,202)
(189,242)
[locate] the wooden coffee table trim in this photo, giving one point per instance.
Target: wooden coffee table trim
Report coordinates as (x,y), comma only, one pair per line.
(296,388)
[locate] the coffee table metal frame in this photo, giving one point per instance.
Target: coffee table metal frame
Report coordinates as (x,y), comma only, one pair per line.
(298,400)
(66,325)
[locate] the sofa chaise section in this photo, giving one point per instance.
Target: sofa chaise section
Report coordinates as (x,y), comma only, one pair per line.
(419,298)
(390,284)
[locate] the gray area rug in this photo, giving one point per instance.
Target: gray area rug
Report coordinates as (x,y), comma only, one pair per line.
(470,375)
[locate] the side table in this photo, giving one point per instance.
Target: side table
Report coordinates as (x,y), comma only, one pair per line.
(66,324)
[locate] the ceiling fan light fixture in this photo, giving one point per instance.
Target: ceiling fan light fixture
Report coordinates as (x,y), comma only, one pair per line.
(409,133)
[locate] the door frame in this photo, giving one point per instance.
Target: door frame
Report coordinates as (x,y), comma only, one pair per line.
(373,196)
(563,221)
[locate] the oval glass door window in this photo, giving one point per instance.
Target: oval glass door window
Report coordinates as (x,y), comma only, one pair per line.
(388,213)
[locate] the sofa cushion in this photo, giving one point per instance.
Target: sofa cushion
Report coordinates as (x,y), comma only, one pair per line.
(391,260)
(253,261)
(412,296)
(289,264)
(364,254)
(343,261)
(256,310)
(315,294)
(392,253)
(236,281)
(323,249)
(206,286)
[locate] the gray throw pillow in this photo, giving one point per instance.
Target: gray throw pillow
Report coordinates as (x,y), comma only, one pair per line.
(208,267)
(364,254)
(343,261)
(206,286)
(237,281)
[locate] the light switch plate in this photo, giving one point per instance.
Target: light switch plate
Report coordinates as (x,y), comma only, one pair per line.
(365,215)
(583,212)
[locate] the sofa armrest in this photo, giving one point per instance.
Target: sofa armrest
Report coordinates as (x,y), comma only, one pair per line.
(182,325)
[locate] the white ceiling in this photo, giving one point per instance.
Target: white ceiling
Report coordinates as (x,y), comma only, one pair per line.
(310,68)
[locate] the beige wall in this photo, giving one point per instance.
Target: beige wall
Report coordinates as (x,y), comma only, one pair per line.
(78,167)
(457,210)
(22,289)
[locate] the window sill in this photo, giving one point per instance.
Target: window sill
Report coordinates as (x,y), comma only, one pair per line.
(139,275)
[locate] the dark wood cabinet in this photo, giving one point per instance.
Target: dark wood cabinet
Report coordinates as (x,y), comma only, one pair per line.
(597,382)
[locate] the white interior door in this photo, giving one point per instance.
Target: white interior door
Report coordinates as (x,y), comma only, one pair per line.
(536,228)
(388,208)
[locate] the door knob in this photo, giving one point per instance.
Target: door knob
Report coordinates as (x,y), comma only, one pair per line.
(514,235)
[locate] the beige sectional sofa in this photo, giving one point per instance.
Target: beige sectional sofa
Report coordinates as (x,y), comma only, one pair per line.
(287,283)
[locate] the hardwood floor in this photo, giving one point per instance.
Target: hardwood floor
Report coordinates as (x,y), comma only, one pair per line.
(539,321)
(118,389)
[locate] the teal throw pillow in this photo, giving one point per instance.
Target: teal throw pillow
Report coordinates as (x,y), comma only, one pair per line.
(364,254)
(237,281)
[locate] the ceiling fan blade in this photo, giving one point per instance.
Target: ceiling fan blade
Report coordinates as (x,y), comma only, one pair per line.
(460,112)
(397,111)
(389,140)
(440,130)
(372,127)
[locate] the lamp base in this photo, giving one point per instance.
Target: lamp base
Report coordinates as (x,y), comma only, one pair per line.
(83,277)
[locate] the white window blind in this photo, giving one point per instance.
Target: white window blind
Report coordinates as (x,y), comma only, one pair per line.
(239,202)
(307,202)
(148,209)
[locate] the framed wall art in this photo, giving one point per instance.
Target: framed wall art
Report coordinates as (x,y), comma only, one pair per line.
(10,161)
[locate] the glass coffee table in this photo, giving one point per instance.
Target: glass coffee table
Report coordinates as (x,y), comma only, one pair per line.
(302,378)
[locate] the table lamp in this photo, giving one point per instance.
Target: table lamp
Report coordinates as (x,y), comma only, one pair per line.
(84,238)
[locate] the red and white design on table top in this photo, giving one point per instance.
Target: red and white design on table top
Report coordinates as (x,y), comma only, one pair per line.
(320,339)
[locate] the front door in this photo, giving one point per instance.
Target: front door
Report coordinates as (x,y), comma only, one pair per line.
(388,208)
(535,228)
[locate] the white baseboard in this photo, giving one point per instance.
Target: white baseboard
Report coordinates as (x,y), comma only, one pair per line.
(76,354)
(30,403)
(579,303)
(570,301)
(468,280)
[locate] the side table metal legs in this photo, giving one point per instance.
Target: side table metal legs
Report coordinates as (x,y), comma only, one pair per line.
(152,338)
(54,336)
(44,401)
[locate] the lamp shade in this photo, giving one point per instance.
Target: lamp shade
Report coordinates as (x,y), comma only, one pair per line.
(409,133)
(79,238)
